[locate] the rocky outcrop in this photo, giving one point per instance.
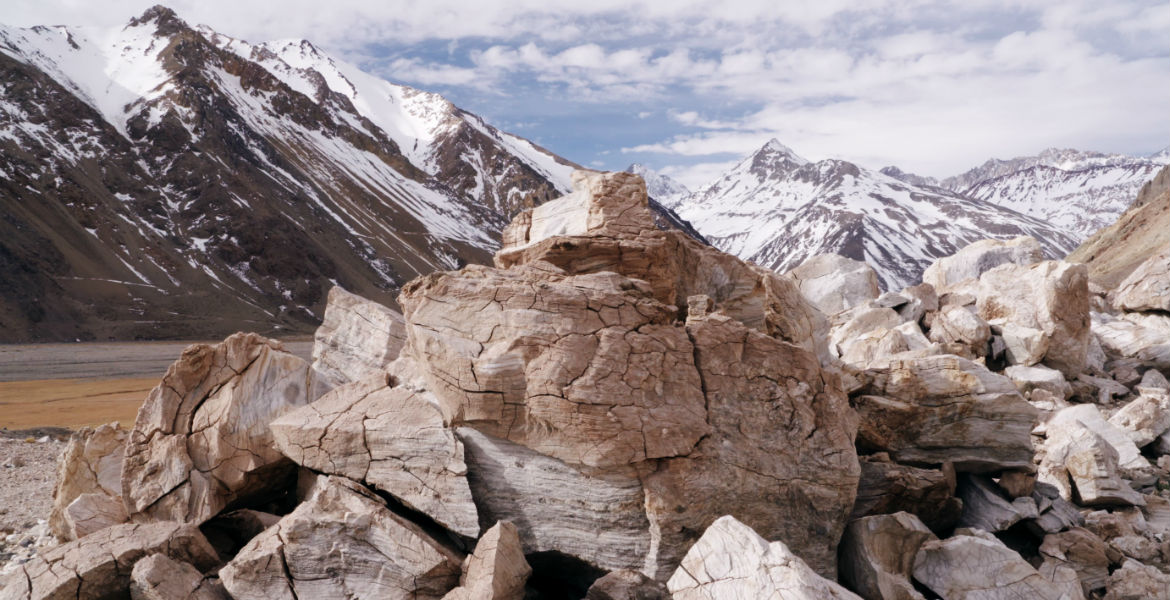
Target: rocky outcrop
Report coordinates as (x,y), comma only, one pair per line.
(496,570)
(575,354)
(1051,296)
(342,542)
(158,577)
(877,555)
(976,259)
(945,408)
(201,440)
(99,565)
(834,283)
(88,495)
(1148,287)
(391,438)
(732,561)
(357,338)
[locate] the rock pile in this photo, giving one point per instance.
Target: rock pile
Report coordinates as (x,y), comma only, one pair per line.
(614,412)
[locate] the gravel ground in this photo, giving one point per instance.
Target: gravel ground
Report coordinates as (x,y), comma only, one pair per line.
(28,472)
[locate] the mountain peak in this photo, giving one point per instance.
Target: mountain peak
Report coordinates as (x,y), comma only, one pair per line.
(660,187)
(157,14)
(775,149)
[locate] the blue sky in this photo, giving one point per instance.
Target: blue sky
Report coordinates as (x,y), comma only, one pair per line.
(690,87)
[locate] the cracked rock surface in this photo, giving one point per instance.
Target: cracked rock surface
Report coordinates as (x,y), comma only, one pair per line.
(357,338)
(88,495)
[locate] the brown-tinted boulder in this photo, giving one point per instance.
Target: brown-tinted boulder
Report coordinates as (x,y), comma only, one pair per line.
(98,566)
(975,565)
(877,556)
(1082,551)
(158,577)
(1052,296)
(201,441)
(627,584)
(342,543)
(393,439)
(888,487)
(357,338)
(1148,287)
(90,466)
(496,570)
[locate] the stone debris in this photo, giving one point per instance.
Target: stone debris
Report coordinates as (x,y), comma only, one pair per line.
(158,577)
(977,258)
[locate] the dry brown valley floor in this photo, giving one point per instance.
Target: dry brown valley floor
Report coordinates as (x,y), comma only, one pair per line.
(74,385)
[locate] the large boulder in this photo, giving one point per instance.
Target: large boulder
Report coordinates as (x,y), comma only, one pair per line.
(975,565)
(393,439)
(877,556)
(357,338)
(1128,454)
(1145,418)
(938,409)
(834,283)
(1081,551)
(980,257)
(496,570)
(1137,581)
(343,542)
(987,507)
(1144,338)
(201,441)
(88,495)
(1148,287)
(640,380)
(732,561)
(1083,466)
(99,565)
(958,325)
(1052,296)
(158,577)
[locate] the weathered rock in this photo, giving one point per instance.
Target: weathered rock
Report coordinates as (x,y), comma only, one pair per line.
(849,326)
(888,487)
(877,556)
(1148,287)
(940,409)
(957,325)
(1137,547)
(1131,336)
(98,566)
(357,338)
(496,570)
(90,466)
(980,257)
(986,508)
(976,565)
(834,283)
(158,577)
(1101,390)
(627,584)
(1137,581)
(1056,513)
(1017,484)
(1154,379)
(1051,296)
(1128,455)
(1078,461)
(1108,525)
(923,300)
(342,543)
(1145,418)
(392,438)
(1157,514)
(913,336)
(869,346)
(1027,379)
(732,561)
(1024,346)
(1082,551)
(201,440)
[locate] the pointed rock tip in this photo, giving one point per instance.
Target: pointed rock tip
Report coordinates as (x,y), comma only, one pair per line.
(157,14)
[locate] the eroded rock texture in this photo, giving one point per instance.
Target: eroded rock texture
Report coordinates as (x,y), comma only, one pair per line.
(88,496)
(357,338)
(1148,287)
(158,577)
(834,283)
(496,570)
(201,441)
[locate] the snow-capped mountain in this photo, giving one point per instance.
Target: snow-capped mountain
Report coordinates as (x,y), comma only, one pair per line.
(660,187)
(777,209)
(162,179)
(1078,191)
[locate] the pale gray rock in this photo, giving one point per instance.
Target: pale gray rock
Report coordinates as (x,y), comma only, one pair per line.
(158,577)
(986,507)
(342,543)
(980,257)
(923,300)
(1079,461)
(1052,296)
(1144,339)
(877,556)
(977,566)
(393,439)
(496,570)
(912,335)
(1028,379)
(848,326)
(99,565)
(732,561)
(357,338)
(1024,346)
(1089,415)
(1137,581)
(1157,514)
(956,325)
(1153,378)
(1145,418)
(90,466)
(869,346)
(1137,547)
(201,440)
(1148,287)
(833,283)
(1056,513)
(938,409)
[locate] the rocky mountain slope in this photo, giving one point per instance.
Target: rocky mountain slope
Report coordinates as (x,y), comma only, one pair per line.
(1143,230)
(660,187)
(777,209)
(661,420)
(159,179)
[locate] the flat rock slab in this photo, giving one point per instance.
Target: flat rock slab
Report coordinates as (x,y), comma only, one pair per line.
(978,566)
